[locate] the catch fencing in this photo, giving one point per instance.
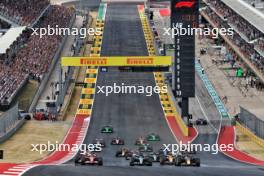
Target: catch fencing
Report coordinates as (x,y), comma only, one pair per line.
(252,122)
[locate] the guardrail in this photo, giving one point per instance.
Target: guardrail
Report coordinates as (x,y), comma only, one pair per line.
(56,57)
(250,134)
(251,122)
(10,123)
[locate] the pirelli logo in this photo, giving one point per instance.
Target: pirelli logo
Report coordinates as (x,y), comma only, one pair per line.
(139,61)
(93,61)
(117,61)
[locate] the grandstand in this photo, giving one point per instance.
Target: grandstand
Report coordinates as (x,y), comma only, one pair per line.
(248,30)
(25,56)
(21,12)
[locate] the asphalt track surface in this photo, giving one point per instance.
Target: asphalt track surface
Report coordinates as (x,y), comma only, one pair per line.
(136,115)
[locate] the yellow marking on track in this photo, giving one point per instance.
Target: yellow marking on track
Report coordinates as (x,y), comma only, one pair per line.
(84,112)
(86,101)
(90,80)
(88,90)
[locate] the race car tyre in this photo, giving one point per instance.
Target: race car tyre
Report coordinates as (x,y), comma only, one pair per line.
(178,162)
(197,162)
(100,162)
(148,163)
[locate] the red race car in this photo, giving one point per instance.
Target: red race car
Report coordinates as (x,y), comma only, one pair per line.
(89,159)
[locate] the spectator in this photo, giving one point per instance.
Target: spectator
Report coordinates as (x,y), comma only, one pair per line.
(23,11)
(35,56)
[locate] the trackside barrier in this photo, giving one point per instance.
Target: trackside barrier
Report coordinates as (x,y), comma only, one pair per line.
(217,101)
(88,91)
(166,102)
(168,106)
(46,76)
(10,123)
(250,134)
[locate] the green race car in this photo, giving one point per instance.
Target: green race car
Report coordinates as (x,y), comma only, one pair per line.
(153,137)
(107,129)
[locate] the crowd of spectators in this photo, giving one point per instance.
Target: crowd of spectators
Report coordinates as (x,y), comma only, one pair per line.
(23,11)
(260,45)
(236,20)
(35,57)
(4,25)
(246,48)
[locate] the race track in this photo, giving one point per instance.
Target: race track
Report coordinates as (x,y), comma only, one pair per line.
(134,115)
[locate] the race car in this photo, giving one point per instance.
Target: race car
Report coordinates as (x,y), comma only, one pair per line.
(187,160)
(140,160)
(117,141)
(153,137)
(107,129)
(140,141)
(168,159)
(188,151)
(99,141)
(89,159)
(155,157)
(124,152)
(145,148)
(201,122)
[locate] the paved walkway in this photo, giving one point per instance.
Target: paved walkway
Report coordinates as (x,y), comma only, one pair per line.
(227,85)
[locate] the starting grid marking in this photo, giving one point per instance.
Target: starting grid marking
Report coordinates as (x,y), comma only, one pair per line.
(147,33)
(166,102)
(168,109)
(88,91)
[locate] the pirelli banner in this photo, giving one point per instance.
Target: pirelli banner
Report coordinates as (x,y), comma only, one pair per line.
(184,18)
(133,61)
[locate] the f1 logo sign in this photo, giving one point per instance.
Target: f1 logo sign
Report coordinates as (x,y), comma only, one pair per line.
(187,4)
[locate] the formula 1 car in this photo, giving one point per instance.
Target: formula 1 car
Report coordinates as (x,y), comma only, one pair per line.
(89,159)
(117,141)
(153,137)
(188,151)
(168,159)
(107,129)
(155,157)
(187,160)
(99,141)
(140,141)
(201,122)
(124,152)
(145,148)
(140,160)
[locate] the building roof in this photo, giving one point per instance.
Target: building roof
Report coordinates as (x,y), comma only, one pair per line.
(9,38)
(249,13)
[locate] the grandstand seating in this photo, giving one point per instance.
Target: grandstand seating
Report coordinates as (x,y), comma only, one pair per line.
(24,12)
(34,58)
(224,17)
